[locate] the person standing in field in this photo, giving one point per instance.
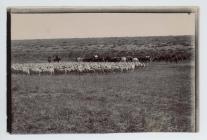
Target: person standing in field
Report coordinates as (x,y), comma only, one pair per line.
(49,59)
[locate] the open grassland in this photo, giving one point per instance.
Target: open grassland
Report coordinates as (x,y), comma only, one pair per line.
(159,48)
(157,98)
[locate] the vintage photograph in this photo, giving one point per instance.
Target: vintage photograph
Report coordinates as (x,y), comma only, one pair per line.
(101,72)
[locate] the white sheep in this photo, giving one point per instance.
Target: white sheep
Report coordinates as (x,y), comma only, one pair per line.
(35,70)
(135,59)
(25,70)
(123,59)
(68,67)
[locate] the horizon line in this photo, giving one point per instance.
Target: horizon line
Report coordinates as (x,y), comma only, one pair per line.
(100,37)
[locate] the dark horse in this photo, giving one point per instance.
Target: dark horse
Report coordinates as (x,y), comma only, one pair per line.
(112,59)
(94,58)
(56,58)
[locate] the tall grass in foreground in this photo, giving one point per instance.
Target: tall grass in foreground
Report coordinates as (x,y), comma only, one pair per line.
(156,98)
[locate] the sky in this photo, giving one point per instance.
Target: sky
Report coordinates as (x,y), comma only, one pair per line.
(85,25)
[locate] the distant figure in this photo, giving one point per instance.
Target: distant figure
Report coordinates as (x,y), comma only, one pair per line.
(79,59)
(49,59)
(129,58)
(147,58)
(112,59)
(95,56)
(57,58)
(123,59)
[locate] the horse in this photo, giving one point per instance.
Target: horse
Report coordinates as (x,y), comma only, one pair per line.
(56,58)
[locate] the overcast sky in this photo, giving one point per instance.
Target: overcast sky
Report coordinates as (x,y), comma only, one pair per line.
(82,25)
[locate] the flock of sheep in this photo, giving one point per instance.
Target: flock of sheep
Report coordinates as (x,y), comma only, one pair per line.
(74,67)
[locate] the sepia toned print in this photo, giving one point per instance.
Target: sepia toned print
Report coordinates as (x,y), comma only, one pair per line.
(103,72)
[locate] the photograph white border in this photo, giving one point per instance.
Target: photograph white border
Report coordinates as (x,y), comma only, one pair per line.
(201,134)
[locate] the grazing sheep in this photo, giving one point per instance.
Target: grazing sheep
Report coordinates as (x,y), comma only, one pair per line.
(60,71)
(25,70)
(16,69)
(123,59)
(70,67)
(34,70)
(47,70)
(135,60)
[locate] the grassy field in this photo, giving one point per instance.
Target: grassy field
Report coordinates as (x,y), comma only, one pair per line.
(157,98)
(24,51)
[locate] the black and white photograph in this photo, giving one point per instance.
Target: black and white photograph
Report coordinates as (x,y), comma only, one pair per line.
(102,70)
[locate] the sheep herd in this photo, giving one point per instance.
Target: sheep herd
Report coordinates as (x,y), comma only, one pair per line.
(74,67)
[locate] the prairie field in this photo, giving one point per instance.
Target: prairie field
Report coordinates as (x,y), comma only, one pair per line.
(26,51)
(157,98)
